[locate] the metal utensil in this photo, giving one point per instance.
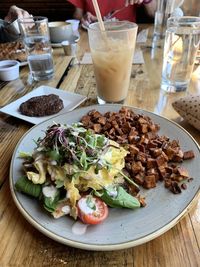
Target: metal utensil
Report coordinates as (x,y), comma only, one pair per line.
(70,65)
(113,12)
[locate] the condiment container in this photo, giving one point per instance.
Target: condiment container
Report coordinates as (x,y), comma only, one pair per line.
(9,70)
(70,49)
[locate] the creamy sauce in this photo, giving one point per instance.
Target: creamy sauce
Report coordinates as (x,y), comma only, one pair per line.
(49,191)
(61,211)
(65,209)
(112,193)
(84,207)
(79,228)
(53,162)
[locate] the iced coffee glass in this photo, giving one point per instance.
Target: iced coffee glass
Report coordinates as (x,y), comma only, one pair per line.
(112,55)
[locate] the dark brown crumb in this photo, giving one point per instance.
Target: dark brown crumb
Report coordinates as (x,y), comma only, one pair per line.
(142,201)
(184,186)
(175,188)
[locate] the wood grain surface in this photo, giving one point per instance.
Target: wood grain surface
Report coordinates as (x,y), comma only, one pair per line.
(21,244)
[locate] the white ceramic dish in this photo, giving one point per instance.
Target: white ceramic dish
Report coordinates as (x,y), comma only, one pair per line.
(70,101)
(72,39)
(60,31)
(9,70)
(123,228)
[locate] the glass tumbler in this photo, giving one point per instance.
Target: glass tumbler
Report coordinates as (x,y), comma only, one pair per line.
(112,54)
(35,33)
(181,44)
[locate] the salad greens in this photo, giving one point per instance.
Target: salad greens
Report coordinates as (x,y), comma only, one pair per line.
(27,187)
(72,144)
(71,161)
(50,203)
(121,200)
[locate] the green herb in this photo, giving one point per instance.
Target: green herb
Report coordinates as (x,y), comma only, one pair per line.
(83,160)
(53,155)
(72,144)
(123,199)
(25,155)
(109,167)
(50,203)
(59,183)
(26,186)
(129,180)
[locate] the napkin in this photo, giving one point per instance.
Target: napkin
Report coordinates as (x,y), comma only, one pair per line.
(142,36)
(189,108)
(137,58)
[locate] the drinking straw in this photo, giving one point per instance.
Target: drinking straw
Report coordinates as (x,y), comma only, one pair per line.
(98,13)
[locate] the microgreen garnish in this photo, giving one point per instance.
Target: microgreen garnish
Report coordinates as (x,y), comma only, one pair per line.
(73,144)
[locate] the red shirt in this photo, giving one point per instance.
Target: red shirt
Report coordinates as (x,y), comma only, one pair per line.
(106,6)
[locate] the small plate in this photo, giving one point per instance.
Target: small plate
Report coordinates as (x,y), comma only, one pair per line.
(74,39)
(70,101)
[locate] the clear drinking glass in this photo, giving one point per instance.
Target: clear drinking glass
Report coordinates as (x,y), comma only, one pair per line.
(165,9)
(181,44)
(35,33)
(112,55)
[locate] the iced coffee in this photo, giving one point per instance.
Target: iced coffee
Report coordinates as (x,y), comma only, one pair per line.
(112,55)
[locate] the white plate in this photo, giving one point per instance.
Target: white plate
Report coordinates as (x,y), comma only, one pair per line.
(123,228)
(70,101)
(75,38)
(23,63)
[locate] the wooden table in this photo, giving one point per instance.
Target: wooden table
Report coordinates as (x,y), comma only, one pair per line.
(21,244)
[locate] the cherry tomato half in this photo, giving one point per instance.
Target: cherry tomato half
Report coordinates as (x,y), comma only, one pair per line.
(92,210)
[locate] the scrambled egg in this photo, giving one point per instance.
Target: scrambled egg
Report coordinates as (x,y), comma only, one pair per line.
(112,159)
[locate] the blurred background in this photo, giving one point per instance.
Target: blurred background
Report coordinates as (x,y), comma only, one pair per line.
(62,10)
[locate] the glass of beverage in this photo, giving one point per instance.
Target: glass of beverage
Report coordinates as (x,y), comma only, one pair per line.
(35,33)
(181,44)
(165,9)
(112,54)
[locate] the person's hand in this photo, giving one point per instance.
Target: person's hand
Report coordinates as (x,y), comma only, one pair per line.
(16,13)
(132,2)
(88,18)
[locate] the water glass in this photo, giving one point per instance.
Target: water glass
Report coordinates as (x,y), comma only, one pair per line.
(165,8)
(181,44)
(36,39)
(112,54)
